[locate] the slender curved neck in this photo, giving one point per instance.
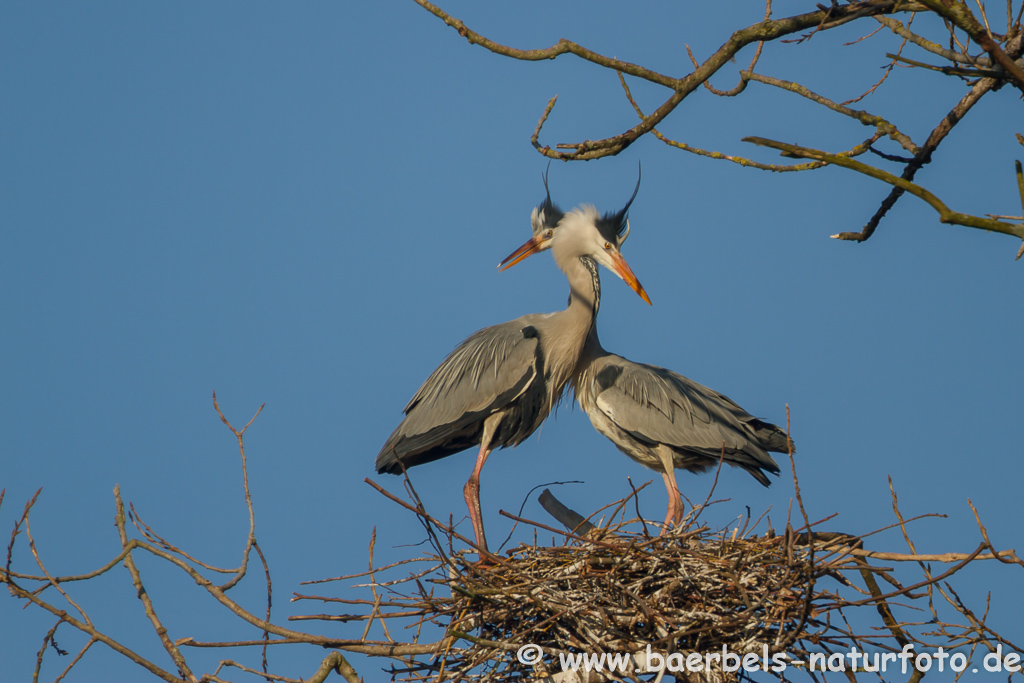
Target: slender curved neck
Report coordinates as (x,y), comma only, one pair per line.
(568,330)
(591,351)
(592,347)
(584,285)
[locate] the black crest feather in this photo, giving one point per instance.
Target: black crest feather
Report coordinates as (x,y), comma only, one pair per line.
(549,212)
(615,226)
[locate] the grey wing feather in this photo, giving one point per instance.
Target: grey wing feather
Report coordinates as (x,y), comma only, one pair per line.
(480,376)
(656,405)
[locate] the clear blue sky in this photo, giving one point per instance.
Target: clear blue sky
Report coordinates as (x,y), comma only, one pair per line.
(303,206)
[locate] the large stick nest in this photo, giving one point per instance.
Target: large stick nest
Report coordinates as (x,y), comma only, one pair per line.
(774,601)
(616,589)
(687,592)
(692,595)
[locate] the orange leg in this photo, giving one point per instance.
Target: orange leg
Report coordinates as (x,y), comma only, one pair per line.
(471,490)
(472,493)
(674,515)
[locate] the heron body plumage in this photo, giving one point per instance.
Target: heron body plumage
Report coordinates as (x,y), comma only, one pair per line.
(657,417)
(642,407)
(499,369)
(498,386)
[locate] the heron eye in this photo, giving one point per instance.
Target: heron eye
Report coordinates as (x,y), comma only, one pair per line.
(607,245)
(548,234)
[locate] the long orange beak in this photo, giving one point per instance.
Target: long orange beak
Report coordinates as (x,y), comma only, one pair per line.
(623,270)
(531,247)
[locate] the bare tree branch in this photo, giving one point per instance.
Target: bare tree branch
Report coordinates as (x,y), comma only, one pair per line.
(960,16)
(946,215)
(764,31)
(999,63)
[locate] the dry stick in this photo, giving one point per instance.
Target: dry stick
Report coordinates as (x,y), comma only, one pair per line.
(924,155)
(742,85)
(73,662)
(218,593)
(902,522)
(984,535)
(153,536)
(881,605)
(140,591)
(865,146)
(904,32)
(618,508)
(618,505)
(270,594)
(360,574)
(1020,189)
(438,564)
(7,567)
(526,499)
(345,618)
(47,639)
(17,530)
(373,589)
(420,507)
(636,503)
(78,577)
(945,214)
(190,642)
(241,569)
(1006,556)
(809,589)
(903,527)
(768,30)
(949,70)
(251,539)
(979,624)
(929,581)
(960,16)
(449,530)
(879,123)
(20,592)
(567,534)
(266,676)
(864,37)
(50,579)
(742,161)
(984,16)
(714,485)
(335,663)
(885,75)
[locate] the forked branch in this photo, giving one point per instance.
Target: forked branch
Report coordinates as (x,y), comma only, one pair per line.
(946,215)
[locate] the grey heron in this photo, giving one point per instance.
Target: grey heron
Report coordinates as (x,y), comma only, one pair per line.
(657,417)
(499,384)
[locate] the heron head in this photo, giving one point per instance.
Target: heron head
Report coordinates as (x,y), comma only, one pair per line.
(580,234)
(583,233)
(543,220)
(546,216)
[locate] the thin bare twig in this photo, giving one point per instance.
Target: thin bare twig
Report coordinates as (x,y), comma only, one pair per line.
(946,215)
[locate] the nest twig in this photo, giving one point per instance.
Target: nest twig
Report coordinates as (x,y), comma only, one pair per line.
(780,600)
(603,602)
